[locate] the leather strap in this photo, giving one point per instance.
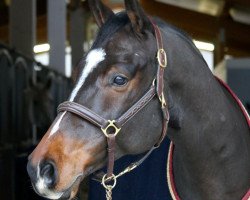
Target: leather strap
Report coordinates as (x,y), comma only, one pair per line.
(111,155)
(162,61)
(136,107)
(165,121)
(97,120)
(132,166)
(83,112)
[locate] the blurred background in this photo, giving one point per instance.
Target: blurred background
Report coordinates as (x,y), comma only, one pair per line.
(42,41)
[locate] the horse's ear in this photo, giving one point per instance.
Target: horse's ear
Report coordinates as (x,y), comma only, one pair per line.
(100,11)
(139,20)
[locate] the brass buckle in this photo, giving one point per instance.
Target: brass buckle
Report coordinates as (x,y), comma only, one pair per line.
(162,58)
(111,125)
(162,100)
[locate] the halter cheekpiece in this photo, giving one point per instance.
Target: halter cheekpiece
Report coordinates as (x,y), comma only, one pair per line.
(111,128)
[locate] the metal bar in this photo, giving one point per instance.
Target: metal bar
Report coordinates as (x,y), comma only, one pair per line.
(23,25)
(77,33)
(57,34)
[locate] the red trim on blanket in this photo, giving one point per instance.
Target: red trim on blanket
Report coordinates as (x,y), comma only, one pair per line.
(247,196)
(170,174)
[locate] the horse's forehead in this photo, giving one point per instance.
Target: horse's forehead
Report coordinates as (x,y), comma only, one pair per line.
(124,40)
(93,58)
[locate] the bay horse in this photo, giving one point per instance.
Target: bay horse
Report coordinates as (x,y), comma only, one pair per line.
(121,78)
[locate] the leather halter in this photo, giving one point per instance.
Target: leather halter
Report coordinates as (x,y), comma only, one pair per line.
(111,128)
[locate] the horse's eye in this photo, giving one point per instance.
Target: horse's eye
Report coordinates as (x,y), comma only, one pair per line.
(120,80)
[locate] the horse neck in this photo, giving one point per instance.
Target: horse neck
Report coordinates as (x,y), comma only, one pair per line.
(211,131)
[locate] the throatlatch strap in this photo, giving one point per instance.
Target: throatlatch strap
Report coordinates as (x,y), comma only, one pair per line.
(162,61)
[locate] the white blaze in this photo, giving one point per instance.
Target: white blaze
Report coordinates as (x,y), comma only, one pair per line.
(93,59)
(56,126)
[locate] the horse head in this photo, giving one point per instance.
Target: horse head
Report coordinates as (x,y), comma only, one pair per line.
(113,75)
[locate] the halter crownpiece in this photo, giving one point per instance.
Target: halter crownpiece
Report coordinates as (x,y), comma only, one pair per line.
(111,128)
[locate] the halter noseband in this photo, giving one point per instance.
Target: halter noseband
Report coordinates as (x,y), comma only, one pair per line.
(111,128)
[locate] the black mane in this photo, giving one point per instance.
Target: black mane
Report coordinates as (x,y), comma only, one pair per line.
(113,24)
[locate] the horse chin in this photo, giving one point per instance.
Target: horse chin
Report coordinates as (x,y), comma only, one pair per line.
(71,192)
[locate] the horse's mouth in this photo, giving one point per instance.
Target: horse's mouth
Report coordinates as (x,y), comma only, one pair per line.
(72,190)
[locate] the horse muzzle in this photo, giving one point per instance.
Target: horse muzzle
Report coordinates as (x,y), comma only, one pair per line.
(44,178)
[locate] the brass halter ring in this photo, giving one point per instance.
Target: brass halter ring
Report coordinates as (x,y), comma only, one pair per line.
(111,125)
(111,178)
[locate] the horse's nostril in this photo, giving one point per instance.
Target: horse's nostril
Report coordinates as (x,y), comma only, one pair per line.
(48,173)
